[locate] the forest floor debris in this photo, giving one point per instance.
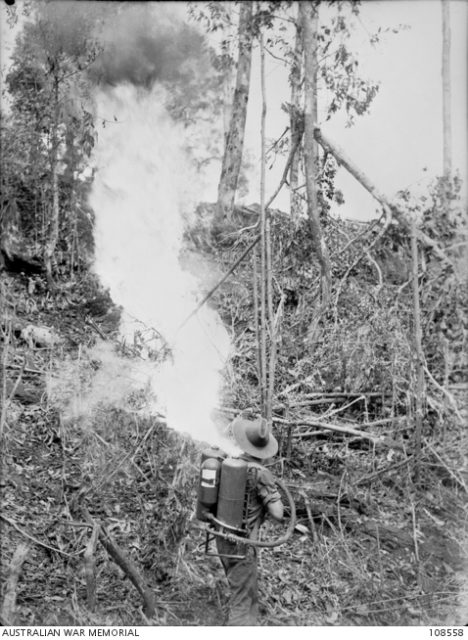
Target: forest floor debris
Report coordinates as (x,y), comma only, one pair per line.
(369,548)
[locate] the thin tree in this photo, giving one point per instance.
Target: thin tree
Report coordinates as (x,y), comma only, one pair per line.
(264,247)
(235,138)
(53,234)
(266,329)
(419,391)
(446,90)
(308,12)
(295,120)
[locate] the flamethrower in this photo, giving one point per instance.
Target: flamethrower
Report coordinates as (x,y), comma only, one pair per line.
(223,501)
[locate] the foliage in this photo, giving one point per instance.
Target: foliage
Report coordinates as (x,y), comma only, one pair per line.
(339,68)
(338,65)
(365,341)
(56,45)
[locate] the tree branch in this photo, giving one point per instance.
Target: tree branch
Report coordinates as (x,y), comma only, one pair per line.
(376,440)
(124,563)
(389,209)
(35,540)
(90,568)
(9,601)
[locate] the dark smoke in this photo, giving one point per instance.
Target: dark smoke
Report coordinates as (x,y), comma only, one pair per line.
(144,43)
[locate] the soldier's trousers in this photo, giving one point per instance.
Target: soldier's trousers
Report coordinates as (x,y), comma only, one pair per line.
(242,579)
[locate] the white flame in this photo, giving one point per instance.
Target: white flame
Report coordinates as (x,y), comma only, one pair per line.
(143,192)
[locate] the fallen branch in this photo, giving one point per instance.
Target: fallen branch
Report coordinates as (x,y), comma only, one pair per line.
(376,440)
(130,570)
(318,401)
(305,403)
(335,394)
(331,412)
(389,209)
(36,541)
(9,601)
(375,423)
(125,564)
(349,165)
(90,568)
(350,394)
(25,369)
(381,472)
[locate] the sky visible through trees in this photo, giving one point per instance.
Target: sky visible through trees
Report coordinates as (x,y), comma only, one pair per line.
(399,142)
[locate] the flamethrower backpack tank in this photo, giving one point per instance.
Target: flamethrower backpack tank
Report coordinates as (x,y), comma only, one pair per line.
(223,500)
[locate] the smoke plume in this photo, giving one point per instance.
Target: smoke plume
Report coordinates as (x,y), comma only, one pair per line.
(143,195)
(146,187)
(146,43)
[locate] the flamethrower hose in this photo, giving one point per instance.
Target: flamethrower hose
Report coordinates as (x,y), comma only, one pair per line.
(231,537)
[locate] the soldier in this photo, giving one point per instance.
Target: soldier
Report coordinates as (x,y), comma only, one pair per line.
(253,437)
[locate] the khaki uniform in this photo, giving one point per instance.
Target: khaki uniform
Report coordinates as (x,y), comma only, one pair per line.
(241,574)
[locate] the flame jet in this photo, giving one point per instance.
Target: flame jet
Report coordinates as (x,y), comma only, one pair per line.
(142,196)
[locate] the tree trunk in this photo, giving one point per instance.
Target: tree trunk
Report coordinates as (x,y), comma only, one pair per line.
(265,273)
(309,25)
(446,92)
(53,230)
(69,178)
(296,126)
(235,138)
(419,391)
